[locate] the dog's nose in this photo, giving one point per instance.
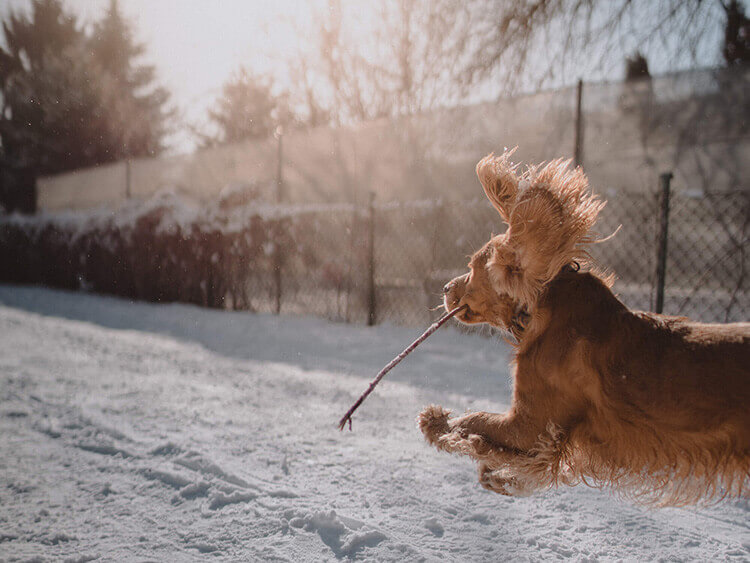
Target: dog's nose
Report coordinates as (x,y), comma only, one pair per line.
(451,285)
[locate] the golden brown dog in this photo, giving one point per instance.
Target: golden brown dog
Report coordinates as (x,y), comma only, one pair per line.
(657,407)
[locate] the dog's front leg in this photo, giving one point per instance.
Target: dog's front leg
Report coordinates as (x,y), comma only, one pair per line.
(505,445)
(481,435)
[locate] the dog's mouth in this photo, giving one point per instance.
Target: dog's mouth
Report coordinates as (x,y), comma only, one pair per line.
(467,315)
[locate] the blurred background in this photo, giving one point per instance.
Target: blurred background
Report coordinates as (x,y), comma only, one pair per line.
(318,157)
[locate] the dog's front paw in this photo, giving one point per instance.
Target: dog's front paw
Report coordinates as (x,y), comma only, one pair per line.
(450,435)
(433,422)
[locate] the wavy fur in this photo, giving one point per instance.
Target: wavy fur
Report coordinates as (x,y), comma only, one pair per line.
(651,406)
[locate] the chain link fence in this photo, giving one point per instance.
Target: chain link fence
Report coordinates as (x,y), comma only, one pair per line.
(418,246)
(387,262)
(707,258)
(376,263)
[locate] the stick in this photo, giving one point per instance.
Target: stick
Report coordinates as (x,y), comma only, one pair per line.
(394,362)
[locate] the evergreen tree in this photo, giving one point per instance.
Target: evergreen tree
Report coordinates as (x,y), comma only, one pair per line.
(736,48)
(246,109)
(47,100)
(636,67)
(138,114)
(71,100)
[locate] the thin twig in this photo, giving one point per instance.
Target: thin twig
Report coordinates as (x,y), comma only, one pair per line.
(433,327)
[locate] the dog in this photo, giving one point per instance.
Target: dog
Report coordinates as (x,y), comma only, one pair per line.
(653,406)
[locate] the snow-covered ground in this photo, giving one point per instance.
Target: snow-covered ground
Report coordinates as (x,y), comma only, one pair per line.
(136,432)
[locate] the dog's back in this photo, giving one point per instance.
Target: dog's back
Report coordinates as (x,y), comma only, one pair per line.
(650,358)
(656,386)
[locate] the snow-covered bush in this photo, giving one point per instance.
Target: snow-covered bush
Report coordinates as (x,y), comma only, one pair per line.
(164,249)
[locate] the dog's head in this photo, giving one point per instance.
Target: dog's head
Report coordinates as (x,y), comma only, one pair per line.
(549,211)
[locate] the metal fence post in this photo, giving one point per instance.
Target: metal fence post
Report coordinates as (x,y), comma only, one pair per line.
(279,166)
(577,151)
(277,259)
(371,317)
(276,233)
(661,249)
(431,283)
(128,179)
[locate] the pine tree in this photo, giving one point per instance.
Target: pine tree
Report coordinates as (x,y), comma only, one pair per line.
(49,102)
(636,67)
(246,109)
(736,48)
(138,114)
(71,100)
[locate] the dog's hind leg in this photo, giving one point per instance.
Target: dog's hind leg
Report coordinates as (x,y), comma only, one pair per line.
(503,480)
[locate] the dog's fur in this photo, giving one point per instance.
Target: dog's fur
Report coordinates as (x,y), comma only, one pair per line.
(654,406)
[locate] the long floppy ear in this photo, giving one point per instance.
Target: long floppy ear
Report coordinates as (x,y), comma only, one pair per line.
(498,178)
(550,224)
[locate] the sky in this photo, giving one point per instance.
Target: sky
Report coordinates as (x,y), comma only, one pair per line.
(196,45)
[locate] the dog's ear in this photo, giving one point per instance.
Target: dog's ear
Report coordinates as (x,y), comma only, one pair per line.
(498,178)
(550,224)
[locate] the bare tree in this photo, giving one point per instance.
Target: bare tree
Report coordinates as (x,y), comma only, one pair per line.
(398,58)
(415,55)
(533,43)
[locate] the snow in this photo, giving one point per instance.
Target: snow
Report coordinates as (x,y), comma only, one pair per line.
(134,432)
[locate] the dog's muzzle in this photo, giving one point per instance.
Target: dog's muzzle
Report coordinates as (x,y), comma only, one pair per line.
(451,285)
